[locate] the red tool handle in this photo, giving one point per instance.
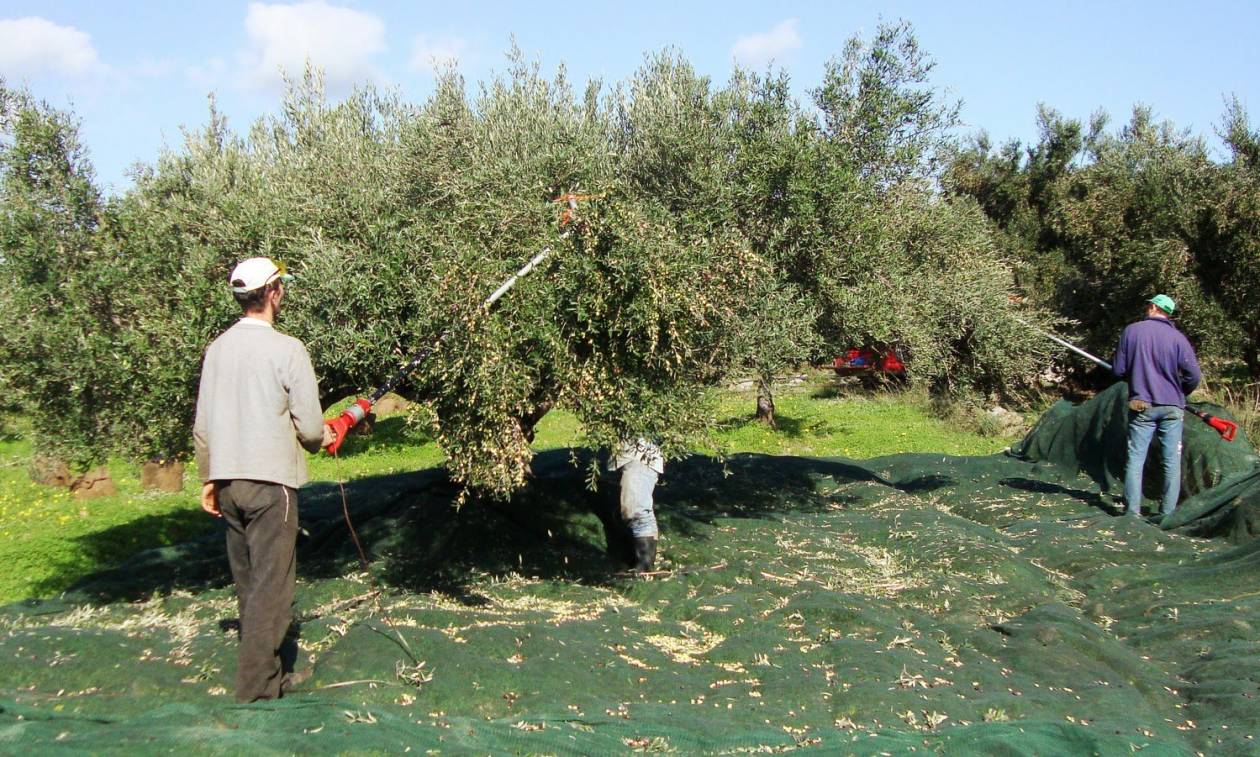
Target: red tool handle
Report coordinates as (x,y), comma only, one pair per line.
(348,419)
(1227,429)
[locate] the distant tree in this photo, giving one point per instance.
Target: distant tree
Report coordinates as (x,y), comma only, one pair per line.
(763,189)
(778,333)
(1098,221)
(1229,264)
(1127,221)
(58,348)
(879,110)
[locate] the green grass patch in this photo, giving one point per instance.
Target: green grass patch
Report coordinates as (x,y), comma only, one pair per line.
(814,420)
(48,540)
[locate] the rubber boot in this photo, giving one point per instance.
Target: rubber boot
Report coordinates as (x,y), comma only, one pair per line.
(644,554)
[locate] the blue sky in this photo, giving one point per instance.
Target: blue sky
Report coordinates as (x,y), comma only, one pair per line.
(136,72)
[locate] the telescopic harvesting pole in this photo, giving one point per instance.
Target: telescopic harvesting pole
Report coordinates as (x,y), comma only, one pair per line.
(1077,350)
(358,410)
(1065,343)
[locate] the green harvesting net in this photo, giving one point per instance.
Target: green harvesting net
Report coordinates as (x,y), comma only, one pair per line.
(913,603)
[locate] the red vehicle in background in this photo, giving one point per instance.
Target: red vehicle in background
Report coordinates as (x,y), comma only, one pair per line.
(868,362)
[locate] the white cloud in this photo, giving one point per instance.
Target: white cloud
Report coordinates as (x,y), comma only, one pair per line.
(428,52)
(760,49)
(32,46)
(340,41)
(154,68)
(209,75)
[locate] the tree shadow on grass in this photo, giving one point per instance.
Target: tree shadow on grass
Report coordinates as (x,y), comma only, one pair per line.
(786,425)
(187,534)
(197,558)
(796,428)
(418,538)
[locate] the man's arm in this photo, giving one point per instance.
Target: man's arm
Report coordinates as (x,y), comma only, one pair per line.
(201,446)
(1120,361)
(304,407)
(1188,366)
(201,450)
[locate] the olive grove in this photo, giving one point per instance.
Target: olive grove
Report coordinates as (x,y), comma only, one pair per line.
(728,230)
(1096,220)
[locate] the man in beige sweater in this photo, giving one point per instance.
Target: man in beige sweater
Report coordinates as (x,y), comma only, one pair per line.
(257,410)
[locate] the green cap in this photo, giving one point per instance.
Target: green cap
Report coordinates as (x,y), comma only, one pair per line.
(1164,303)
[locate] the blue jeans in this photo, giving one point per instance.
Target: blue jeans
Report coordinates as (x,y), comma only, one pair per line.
(1165,420)
(637,483)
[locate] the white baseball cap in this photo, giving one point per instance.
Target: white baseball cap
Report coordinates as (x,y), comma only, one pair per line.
(251,274)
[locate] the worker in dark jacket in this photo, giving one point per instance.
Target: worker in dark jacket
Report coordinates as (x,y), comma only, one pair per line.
(1160,367)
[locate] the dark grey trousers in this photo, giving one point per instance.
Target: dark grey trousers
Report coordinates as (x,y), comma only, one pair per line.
(262,526)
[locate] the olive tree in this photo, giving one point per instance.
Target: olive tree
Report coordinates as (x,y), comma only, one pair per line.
(1229,263)
(59,349)
(727,159)
(1097,220)
(400,220)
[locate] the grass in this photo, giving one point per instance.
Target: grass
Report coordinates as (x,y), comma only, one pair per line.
(816,420)
(48,540)
(1243,399)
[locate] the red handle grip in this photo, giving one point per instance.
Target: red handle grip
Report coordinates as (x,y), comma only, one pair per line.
(348,419)
(1227,429)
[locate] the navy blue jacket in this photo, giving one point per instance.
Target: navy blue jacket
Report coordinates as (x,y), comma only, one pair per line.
(1157,361)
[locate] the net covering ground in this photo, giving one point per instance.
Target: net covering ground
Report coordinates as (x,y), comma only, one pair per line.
(906,604)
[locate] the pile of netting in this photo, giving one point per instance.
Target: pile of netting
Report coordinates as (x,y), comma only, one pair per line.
(908,603)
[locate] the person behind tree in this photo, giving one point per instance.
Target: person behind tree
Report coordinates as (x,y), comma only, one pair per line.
(641,464)
(257,410)
(1160,367)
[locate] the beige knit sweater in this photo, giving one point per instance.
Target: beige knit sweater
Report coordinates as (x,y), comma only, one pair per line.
(257,408)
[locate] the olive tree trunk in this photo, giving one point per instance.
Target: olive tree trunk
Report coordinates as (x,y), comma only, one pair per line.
(765,399)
